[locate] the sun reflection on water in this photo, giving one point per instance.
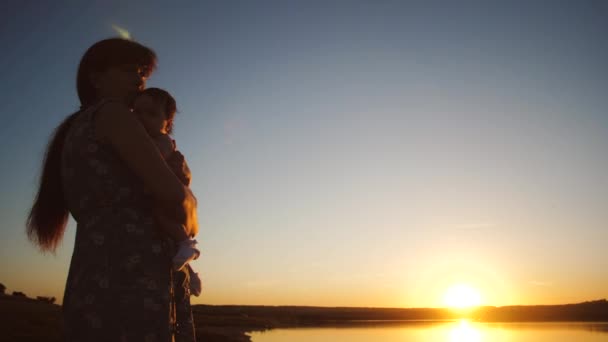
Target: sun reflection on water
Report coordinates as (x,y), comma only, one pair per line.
(464,332)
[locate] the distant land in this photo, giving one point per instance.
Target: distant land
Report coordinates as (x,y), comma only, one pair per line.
(26,319)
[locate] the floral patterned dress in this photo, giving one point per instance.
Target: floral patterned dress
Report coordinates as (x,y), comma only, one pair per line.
(120,286)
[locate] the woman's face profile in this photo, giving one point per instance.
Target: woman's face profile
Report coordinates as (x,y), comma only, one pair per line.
(123,81)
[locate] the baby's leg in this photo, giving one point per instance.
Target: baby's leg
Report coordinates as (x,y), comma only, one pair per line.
(196,285)
(186,247)
(186,252)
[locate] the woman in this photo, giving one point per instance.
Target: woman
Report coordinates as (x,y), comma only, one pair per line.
(97,164)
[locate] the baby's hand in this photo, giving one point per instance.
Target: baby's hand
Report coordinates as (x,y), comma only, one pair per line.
(165,145)
(177,163)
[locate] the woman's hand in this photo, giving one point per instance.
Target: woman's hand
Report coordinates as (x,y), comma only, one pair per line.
(190,221)
(185,214)
(177,163)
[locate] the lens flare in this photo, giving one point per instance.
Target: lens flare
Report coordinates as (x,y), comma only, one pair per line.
(123,33)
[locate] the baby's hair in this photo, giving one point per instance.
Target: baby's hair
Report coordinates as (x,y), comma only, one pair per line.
(163,96)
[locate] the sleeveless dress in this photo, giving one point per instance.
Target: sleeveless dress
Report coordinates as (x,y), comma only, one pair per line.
(120,286)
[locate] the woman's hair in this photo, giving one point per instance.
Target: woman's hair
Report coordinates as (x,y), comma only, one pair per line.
(163,97)
(108,53)
(48,216)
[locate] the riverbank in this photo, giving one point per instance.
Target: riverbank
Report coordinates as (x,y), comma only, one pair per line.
(27,320)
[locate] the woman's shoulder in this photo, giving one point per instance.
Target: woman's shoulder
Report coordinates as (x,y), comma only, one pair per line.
(106,107)
(99,104)
(91,112)
(108,114)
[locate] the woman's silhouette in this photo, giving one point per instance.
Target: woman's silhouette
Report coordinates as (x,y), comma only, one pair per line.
(97,164)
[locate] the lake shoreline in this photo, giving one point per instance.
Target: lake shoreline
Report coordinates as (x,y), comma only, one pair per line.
(26,319)
(239,321)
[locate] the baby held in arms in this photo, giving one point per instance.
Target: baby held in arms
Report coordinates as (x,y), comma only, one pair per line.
(155,108)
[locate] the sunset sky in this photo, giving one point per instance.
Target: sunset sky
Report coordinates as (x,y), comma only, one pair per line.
(346,153)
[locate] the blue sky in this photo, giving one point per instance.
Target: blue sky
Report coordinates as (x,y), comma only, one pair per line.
(353,153)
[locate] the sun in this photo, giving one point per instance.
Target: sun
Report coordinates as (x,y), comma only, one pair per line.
(461,296)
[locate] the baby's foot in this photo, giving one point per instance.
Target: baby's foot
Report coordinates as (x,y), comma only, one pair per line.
(186,252)
(195,283)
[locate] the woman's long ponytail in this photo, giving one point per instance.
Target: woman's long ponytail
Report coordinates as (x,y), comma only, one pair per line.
(48,217)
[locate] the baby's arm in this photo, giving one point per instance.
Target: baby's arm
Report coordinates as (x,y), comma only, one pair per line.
(166,145)
(177,164)
(186,245)
(174,158)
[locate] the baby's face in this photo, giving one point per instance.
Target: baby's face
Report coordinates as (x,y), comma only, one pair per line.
(151,114)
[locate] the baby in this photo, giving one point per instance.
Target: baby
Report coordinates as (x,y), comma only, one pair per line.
(155,108)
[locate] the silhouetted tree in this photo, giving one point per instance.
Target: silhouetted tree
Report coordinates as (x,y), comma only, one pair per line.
(49,300)
(19,294)
(2,289)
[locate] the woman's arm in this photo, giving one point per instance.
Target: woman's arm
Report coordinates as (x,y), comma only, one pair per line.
(177,164)
(115,123)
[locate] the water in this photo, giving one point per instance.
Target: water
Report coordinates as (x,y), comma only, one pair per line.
(462,331)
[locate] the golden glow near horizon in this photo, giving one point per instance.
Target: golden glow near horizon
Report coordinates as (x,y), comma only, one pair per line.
(461,296)
(464,332)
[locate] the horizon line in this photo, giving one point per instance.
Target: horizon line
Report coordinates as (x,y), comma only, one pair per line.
(407,308)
